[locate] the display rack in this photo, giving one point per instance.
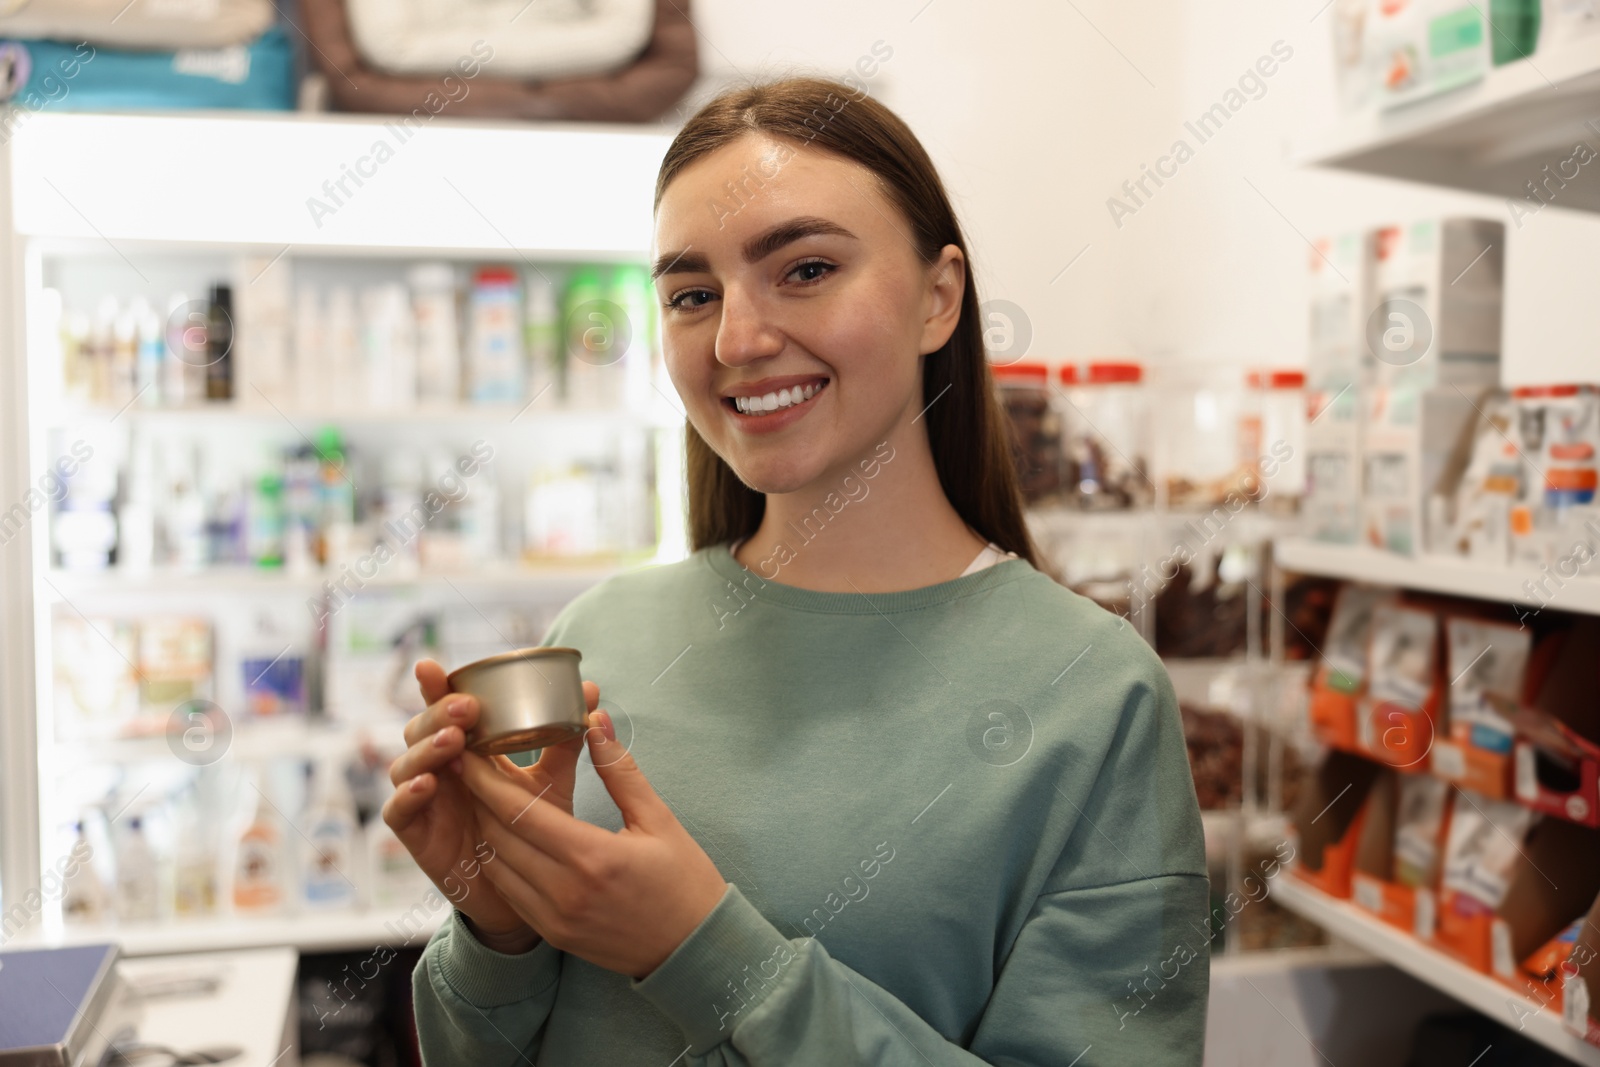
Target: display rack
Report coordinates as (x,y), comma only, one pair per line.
(1492,136)
(333,931)
(1479,991)
(215,187)
(1434,574)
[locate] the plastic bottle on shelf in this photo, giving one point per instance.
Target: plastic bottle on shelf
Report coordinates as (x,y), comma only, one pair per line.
(389,347)
(102,379)
(394,876)
(401,513)
(433,304)
(219,343)
(632,291)
(588,331)
(149,346)
(178,357)
(478,515)
(328,846)
(336,496)
(258,863)
(310,361)
(138,891)
(194,860)
(84,897)
(136,521)
(264,524)
(341,351)
(543,333)
(494,354)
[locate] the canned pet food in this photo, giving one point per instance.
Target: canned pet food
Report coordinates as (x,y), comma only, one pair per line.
(527,699)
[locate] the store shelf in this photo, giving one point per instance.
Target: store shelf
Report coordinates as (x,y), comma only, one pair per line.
(244,580)
(1346,921)
(542,411)
(1493,136)
(1435,575)
(334,931)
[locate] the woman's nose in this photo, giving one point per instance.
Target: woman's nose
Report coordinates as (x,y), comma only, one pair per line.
(745,332)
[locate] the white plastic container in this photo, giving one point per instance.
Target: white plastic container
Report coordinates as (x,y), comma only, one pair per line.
(1272,436)
(1108,435)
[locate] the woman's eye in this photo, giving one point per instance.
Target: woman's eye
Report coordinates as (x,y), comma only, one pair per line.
(689,298)
(811,270)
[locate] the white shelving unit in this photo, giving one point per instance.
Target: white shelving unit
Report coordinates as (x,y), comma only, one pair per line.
(1499,1002)
(332,931)
(1360,563)
(1492,136)
(216,188)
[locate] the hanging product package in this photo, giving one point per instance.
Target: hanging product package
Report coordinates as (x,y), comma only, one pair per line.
(258,76)
(166,27)
(561,39)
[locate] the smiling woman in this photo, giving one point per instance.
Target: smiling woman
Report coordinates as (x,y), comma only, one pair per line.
(1042,851)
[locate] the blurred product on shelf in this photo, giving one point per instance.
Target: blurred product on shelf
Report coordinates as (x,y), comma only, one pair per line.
(1216,756)
(498,336)
(1308,610)
(85,897)
(1556,752)
(1488,668)
(1216,742)
(117,24)
(1035,427)
(1264,925)
(475,85)
(1564,21)
(138,894)
(1326,820)
(123,677)
(328,841)
(1272,437)
(1202,611)
(1107,436)
(257,864)
(258,75)
(1341,288)
(1558,435)
(553,40)
(1388,53)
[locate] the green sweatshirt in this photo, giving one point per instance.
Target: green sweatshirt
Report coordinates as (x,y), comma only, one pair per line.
(957,824)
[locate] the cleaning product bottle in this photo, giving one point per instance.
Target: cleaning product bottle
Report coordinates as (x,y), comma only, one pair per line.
(632,292)
(84,897)
(194,860)
(137,890)
(328,853)
(258,859)
(588,332)
(542,331)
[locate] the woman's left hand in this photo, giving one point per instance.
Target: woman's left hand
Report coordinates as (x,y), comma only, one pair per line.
(623,900)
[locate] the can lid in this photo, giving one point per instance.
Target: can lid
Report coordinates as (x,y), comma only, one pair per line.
(1113,372)
(547,652)
(1068,373)
(1276,379)
(1545,390)
(1020,372)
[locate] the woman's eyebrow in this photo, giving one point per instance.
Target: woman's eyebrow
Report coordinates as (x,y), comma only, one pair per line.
(755,249)
(760,247)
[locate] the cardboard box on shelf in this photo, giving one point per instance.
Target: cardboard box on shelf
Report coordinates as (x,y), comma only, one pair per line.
(1484,846)
(1580,985)
(1409,441)
(1557,747)
(1336,378)
(1327,819)
(1557,433)
(1399,855)
(1482,482)
(1435,324)
(1341,675)
(1396,721)
(1487,663)
(1554,883)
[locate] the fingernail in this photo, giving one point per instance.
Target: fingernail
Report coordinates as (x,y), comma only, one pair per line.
(442,738)
(457,707)
(458,765)
(416,785)
(605,724)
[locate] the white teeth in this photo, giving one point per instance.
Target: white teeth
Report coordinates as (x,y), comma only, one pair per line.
(783,398)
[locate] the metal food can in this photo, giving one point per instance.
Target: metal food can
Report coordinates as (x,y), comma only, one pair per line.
(527,699)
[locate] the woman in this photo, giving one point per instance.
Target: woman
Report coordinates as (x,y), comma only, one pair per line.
(908,799)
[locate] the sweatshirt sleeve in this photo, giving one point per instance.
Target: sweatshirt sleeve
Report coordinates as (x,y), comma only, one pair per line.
(475,1005)
(1061,998)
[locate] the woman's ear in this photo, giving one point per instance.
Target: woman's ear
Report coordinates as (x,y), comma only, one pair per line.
(947,281)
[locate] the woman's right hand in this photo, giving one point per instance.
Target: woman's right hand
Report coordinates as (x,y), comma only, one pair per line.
(431,811)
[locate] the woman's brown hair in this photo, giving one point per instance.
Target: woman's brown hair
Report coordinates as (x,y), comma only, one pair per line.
(966,428)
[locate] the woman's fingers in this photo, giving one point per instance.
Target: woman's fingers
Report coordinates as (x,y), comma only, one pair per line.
(431,677)
(430,753)
(454,709)
(408,801)
(591,695)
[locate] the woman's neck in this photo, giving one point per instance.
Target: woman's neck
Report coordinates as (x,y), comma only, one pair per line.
(879,528)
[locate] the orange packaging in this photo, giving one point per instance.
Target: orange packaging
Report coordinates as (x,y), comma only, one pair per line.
(1396,723)
(1481,852)
(1327,821)
(1488,667)
(1341,674)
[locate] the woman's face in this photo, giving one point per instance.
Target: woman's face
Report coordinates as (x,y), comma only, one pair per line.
(783,267)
